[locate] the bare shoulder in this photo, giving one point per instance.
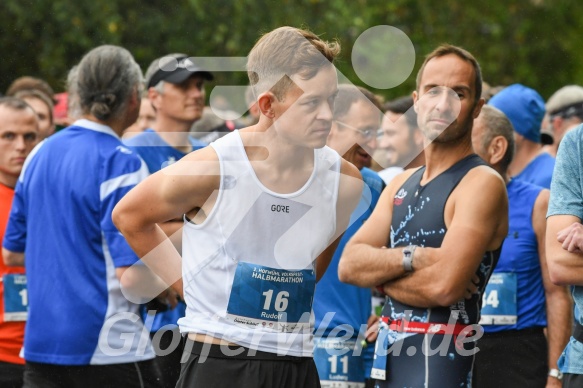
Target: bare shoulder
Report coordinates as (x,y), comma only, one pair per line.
(541,205)
(350,182)
(204,161)
(542,200)
(481,199)
(198,174)
(483,181)
(349,169)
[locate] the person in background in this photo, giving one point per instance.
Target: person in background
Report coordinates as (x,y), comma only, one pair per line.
(520,300)
(401,143)
(177,97)
(82,331)
(564,110)
(43,106)
(525,109)
(18,135)
(145,119)
(341,308)
(30,83)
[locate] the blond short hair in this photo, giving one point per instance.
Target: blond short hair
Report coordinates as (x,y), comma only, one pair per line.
(284,52)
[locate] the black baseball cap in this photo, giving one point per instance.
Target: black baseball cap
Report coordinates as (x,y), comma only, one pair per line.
(174,69)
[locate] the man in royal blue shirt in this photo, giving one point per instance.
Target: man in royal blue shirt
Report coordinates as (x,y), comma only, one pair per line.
(525,109)
(82,331)
(342,311)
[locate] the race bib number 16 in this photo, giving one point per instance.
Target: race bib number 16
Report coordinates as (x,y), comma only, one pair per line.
(271,298)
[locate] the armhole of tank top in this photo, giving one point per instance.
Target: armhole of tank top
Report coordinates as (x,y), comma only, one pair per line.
(187,221)
(455,186)
(532,204)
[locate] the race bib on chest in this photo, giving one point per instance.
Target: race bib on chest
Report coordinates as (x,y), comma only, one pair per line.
(271,298)
(337,365)
(379,364)
(499,300)
(15,297)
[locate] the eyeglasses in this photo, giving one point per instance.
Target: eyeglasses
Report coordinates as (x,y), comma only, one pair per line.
(367,134)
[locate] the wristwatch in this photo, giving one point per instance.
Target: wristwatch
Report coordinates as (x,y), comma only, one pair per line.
(557,374)
(408,253)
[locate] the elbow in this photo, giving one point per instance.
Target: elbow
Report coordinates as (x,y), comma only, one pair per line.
(445,295)
(117,217)
(344,273)
(126,280)
(12,259)
(560,275)
(129,285)
(347,273)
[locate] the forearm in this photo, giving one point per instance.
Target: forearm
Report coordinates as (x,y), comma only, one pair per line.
(559,320)
(12,259)
(173,229)
(158,252)
(419,289)
(367,266)
(139,284)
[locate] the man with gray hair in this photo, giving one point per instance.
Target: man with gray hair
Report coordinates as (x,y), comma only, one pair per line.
(565,112)
(82,331)
(520,300)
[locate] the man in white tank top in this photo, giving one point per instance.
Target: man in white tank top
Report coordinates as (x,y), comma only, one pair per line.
(264,208)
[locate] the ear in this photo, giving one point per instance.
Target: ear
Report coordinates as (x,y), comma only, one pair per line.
(556,123)
(265,104)
(154,97)
(415,96)
(478,108)
(497,150)
(135,100)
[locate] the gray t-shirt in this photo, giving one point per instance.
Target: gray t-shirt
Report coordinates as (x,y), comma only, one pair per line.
(567,199)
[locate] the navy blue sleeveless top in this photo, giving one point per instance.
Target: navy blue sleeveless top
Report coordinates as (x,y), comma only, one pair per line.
(418,219)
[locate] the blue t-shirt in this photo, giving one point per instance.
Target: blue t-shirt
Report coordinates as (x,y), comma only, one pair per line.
(158,154)
(567,199)
(520,258)
(61,220)
(346,304)
(539,171)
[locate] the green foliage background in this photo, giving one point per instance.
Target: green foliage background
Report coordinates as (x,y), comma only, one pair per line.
(535,42)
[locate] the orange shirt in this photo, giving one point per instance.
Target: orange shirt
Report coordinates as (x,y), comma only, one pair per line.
(11,333)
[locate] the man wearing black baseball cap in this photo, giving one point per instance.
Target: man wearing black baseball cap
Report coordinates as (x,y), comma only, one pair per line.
(174,68)
(175,88)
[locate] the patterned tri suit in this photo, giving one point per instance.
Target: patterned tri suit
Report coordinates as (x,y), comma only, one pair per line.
(413,357)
